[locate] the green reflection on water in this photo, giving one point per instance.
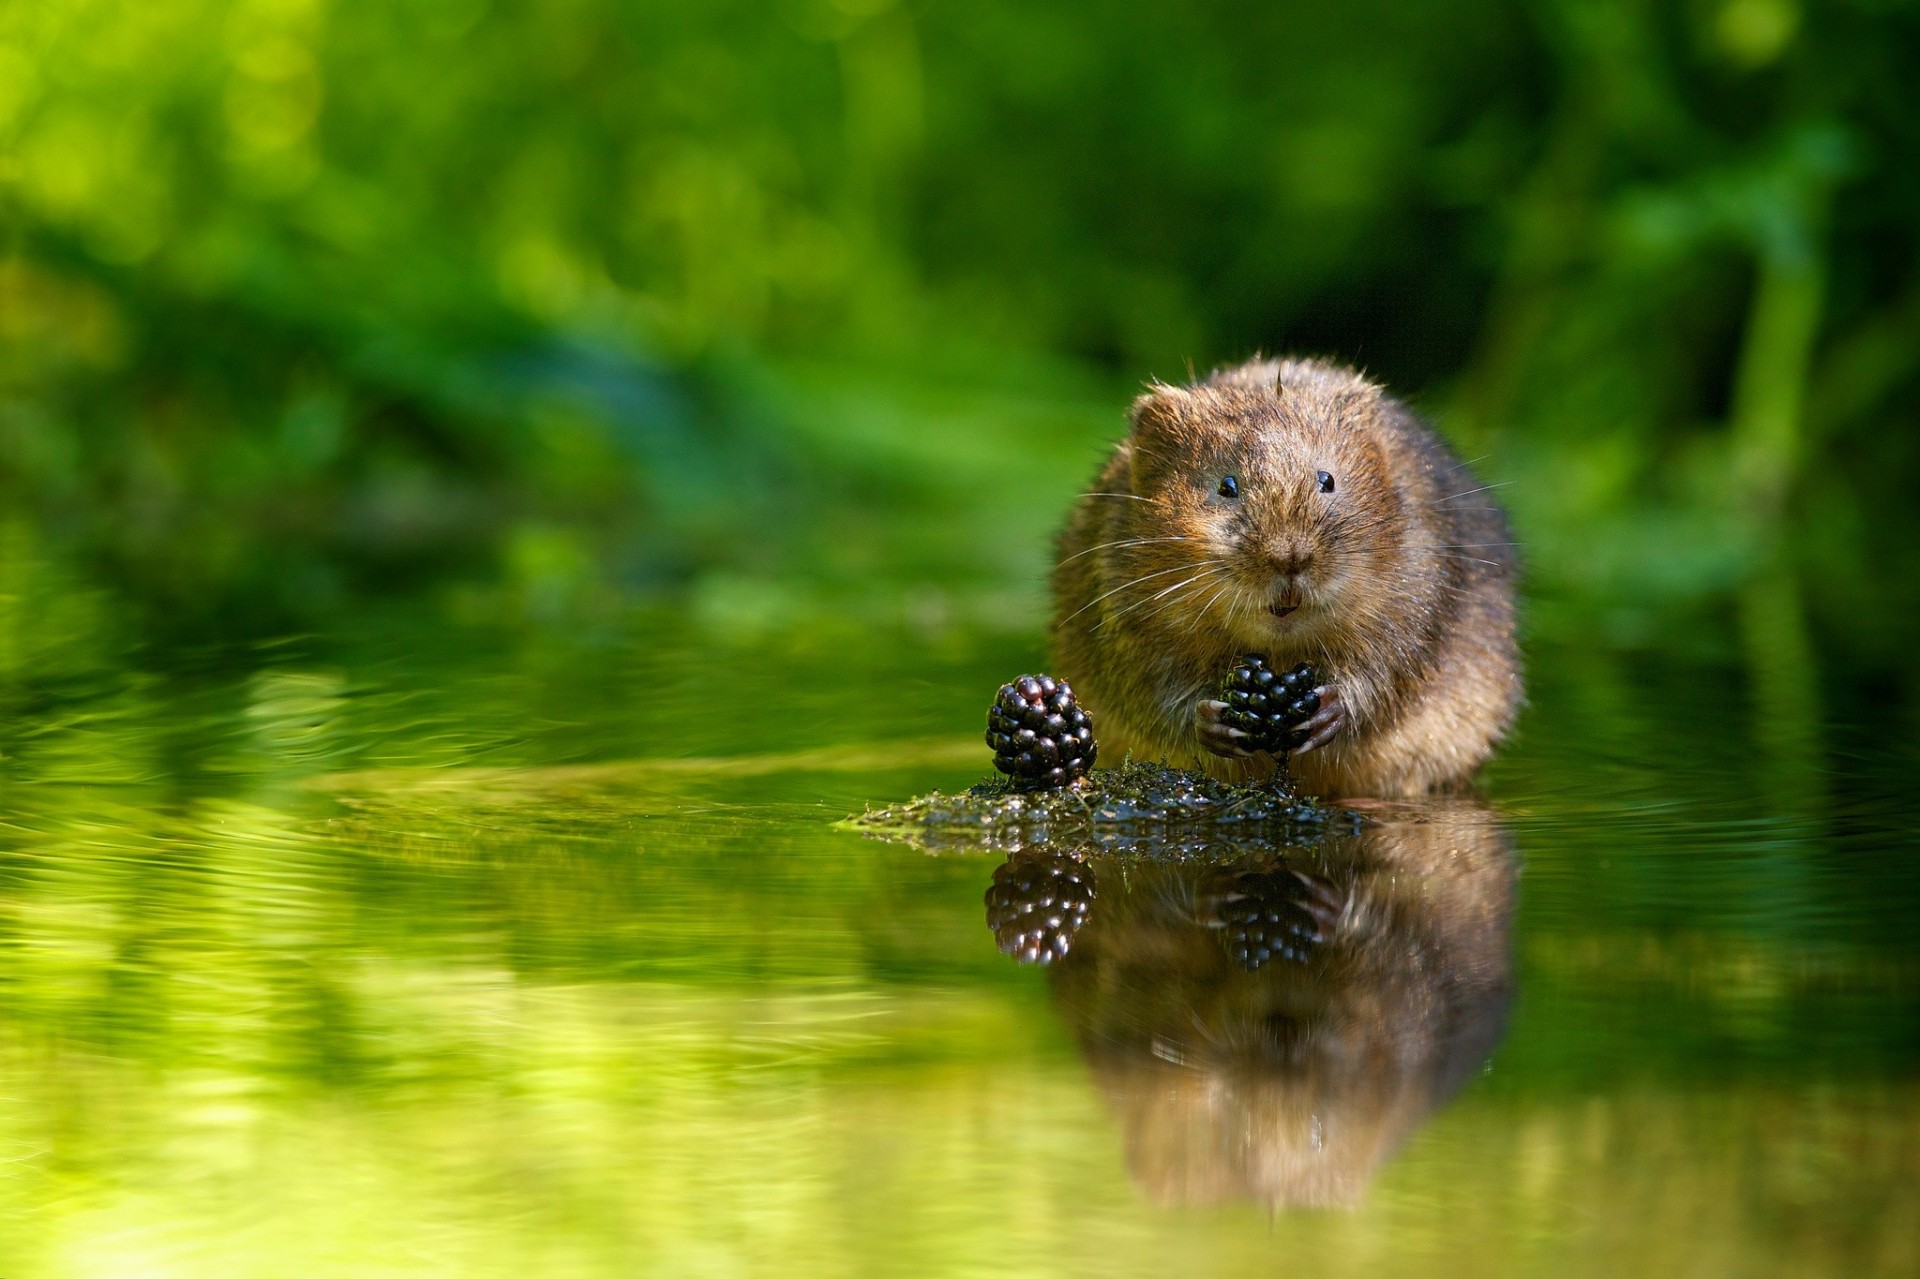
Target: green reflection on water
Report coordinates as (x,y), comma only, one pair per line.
(436,948)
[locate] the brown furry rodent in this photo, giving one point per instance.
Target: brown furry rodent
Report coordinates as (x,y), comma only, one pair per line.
(1291,508)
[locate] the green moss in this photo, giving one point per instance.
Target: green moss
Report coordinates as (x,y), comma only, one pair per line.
(1148,809)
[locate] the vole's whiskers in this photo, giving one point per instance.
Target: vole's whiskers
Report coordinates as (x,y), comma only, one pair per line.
(1144,577)
(1184,582)
(1484,488)
(1461,466)
(1217,571)
(1199,614)
(1206,569)
(1128,541)
(1177,600)
(1132,497)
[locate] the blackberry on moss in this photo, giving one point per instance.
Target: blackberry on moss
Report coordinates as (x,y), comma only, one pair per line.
(1037,902)
(1268,705)
(1041,738)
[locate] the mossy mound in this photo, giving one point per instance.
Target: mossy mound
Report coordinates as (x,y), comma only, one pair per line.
(1135,808)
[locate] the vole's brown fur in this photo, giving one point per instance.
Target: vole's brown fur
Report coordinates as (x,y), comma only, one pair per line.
(1397,585)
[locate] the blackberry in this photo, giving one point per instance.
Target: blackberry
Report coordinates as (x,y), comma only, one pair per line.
(1040,736)
(1268,914)
(1037,902)
(1267,705)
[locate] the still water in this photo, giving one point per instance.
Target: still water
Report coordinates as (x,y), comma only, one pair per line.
(456,947)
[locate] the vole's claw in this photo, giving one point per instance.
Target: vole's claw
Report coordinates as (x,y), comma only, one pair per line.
(1217,737)
(1324,724)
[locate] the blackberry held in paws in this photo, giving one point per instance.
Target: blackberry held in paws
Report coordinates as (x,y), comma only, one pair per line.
(1041,738)
(1269,706)
(1037,902)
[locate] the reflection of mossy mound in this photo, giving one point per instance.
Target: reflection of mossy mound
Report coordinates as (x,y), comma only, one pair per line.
(1144,808)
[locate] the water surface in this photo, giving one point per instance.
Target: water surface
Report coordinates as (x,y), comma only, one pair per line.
(444,947)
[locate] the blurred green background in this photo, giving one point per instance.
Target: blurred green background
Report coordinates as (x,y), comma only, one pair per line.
(831,304)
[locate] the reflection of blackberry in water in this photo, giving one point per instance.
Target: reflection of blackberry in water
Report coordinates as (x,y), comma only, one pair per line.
(1040,736)
(1037,902)
(1271,914)
(1268,705)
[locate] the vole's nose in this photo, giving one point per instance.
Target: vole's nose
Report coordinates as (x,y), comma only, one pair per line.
(1290,559)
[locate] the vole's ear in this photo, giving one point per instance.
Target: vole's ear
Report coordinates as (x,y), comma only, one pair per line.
(1163,408)
(1160,419)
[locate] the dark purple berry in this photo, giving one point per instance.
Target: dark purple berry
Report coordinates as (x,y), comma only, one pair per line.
(1267,705)
(1041,737)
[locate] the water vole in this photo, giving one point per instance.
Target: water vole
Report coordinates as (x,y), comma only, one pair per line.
(1291,508)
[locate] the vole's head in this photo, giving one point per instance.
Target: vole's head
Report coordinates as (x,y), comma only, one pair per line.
(1276,481)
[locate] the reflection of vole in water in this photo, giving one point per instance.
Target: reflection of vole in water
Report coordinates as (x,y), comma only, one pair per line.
(1291,508)
(1291,1083)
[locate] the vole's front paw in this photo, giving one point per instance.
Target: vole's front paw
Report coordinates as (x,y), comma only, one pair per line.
(1324,724)
(1216,736)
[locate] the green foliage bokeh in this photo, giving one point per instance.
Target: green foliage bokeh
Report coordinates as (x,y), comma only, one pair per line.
(303,296)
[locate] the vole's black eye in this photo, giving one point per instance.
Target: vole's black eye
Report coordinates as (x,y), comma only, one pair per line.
(1326,481)
(1229,486)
